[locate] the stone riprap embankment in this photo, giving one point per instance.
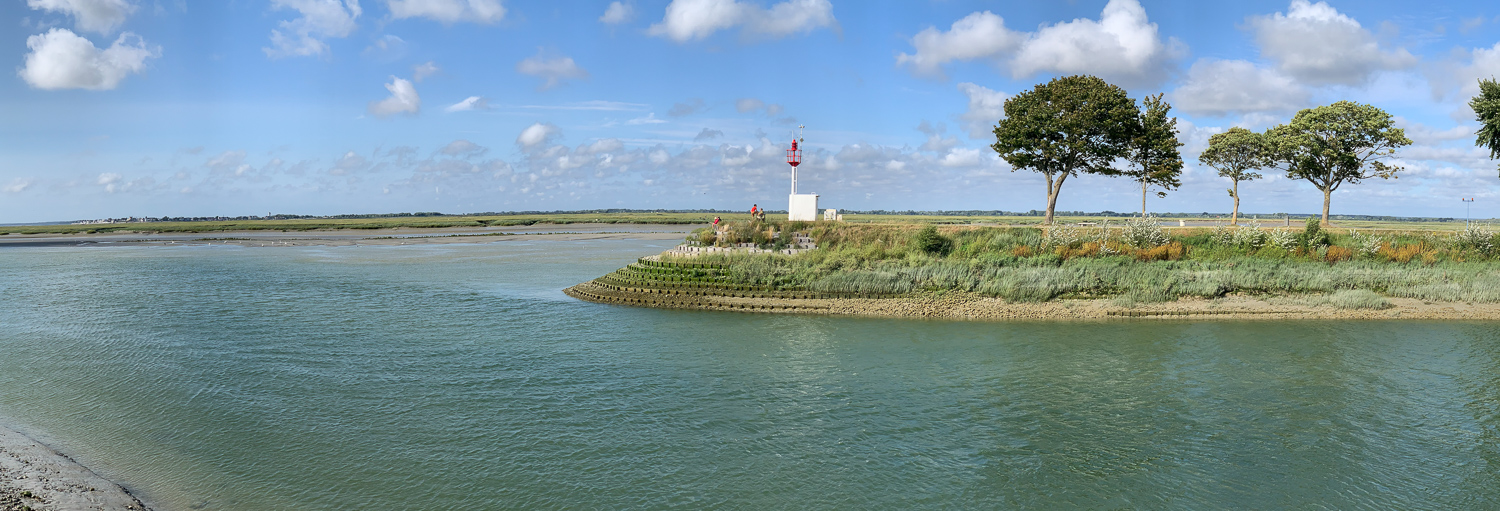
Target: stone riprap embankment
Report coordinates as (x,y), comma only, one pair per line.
(651,282)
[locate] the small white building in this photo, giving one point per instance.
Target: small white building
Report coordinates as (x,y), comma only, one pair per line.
(802,207)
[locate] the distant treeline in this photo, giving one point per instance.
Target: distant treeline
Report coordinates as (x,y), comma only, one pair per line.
(1107,213)
(909,212)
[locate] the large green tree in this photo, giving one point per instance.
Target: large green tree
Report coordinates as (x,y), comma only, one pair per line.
(1487,111)
(1153,154)
(1066,126)
(1236,154)
(1345,142)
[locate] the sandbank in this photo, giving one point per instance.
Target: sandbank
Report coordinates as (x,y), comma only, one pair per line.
(37,477)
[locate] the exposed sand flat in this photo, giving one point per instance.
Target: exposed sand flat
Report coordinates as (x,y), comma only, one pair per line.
(969,306)
(34,476)
(349,237)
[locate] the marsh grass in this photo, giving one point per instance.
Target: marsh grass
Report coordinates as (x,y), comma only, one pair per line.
(1030,265)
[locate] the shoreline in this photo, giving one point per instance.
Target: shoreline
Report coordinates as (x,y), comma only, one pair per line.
(345,237)
(35,476)
(973,307)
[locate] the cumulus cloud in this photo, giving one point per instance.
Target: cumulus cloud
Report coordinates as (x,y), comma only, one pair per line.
(101,16)
(687,20)
(1122,45)
(1221,87)
(708,134)
(1317,44)
(463,148)
(403,100)
(986,108)
(320,19)
(976,36)
(536,134)
(349,164)
(1463,77)
(552,69)
(449,11)
(60,59)
(617,13)
(469,103)
(424,70)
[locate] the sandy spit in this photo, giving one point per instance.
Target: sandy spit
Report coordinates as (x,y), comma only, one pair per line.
(33,476)
(969,306)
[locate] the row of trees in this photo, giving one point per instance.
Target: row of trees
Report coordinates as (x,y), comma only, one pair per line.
(1082,124)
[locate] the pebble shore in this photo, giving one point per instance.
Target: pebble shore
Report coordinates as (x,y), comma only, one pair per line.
(36,477)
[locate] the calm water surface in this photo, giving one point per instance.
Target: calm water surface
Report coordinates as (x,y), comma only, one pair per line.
(460,377)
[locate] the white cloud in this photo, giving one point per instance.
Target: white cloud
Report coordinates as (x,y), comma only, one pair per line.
(986,108)
(449,11)
(708,134)
(1122,45)
(1463,78)
(1220,87)
(303,36)
(1317,44)
(470,103)
(962,157)
(746,105)
(60,59)
(552,69)
(101,16)
(463,148)
(424,70)
(18,185)
(403,100)
(650,118)
(536,134)
(617,13)
(976,36)
(686,20)
(603,145)
(110,181)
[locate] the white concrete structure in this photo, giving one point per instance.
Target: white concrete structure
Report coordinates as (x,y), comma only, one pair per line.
(831,214)
(802,207)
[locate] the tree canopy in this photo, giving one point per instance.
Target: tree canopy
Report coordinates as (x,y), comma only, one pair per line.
(1066,126)
(1236,154)
(1345,142)
(1487,111)
(1153,154)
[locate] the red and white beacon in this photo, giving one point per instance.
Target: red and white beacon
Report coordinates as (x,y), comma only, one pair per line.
(800,206)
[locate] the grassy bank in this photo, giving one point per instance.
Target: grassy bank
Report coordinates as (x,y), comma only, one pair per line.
(1134,263)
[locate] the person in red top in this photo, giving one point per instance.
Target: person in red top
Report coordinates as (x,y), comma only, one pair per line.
(754,211)
(716,222)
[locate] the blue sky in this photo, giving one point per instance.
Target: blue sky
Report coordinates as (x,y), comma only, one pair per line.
(189,108)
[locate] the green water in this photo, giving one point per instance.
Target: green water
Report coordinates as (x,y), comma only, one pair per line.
(460,377)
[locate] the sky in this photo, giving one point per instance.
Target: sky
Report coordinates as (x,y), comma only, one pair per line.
(121,108)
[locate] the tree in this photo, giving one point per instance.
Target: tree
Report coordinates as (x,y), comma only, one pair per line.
(1236,154)
(1487,111)
(1153,149)
(1345,142)
(1069,125)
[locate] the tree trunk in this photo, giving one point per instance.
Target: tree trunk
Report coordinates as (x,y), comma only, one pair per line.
(1143,198)
(1327,196)
(1234,218)
(1053,190)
